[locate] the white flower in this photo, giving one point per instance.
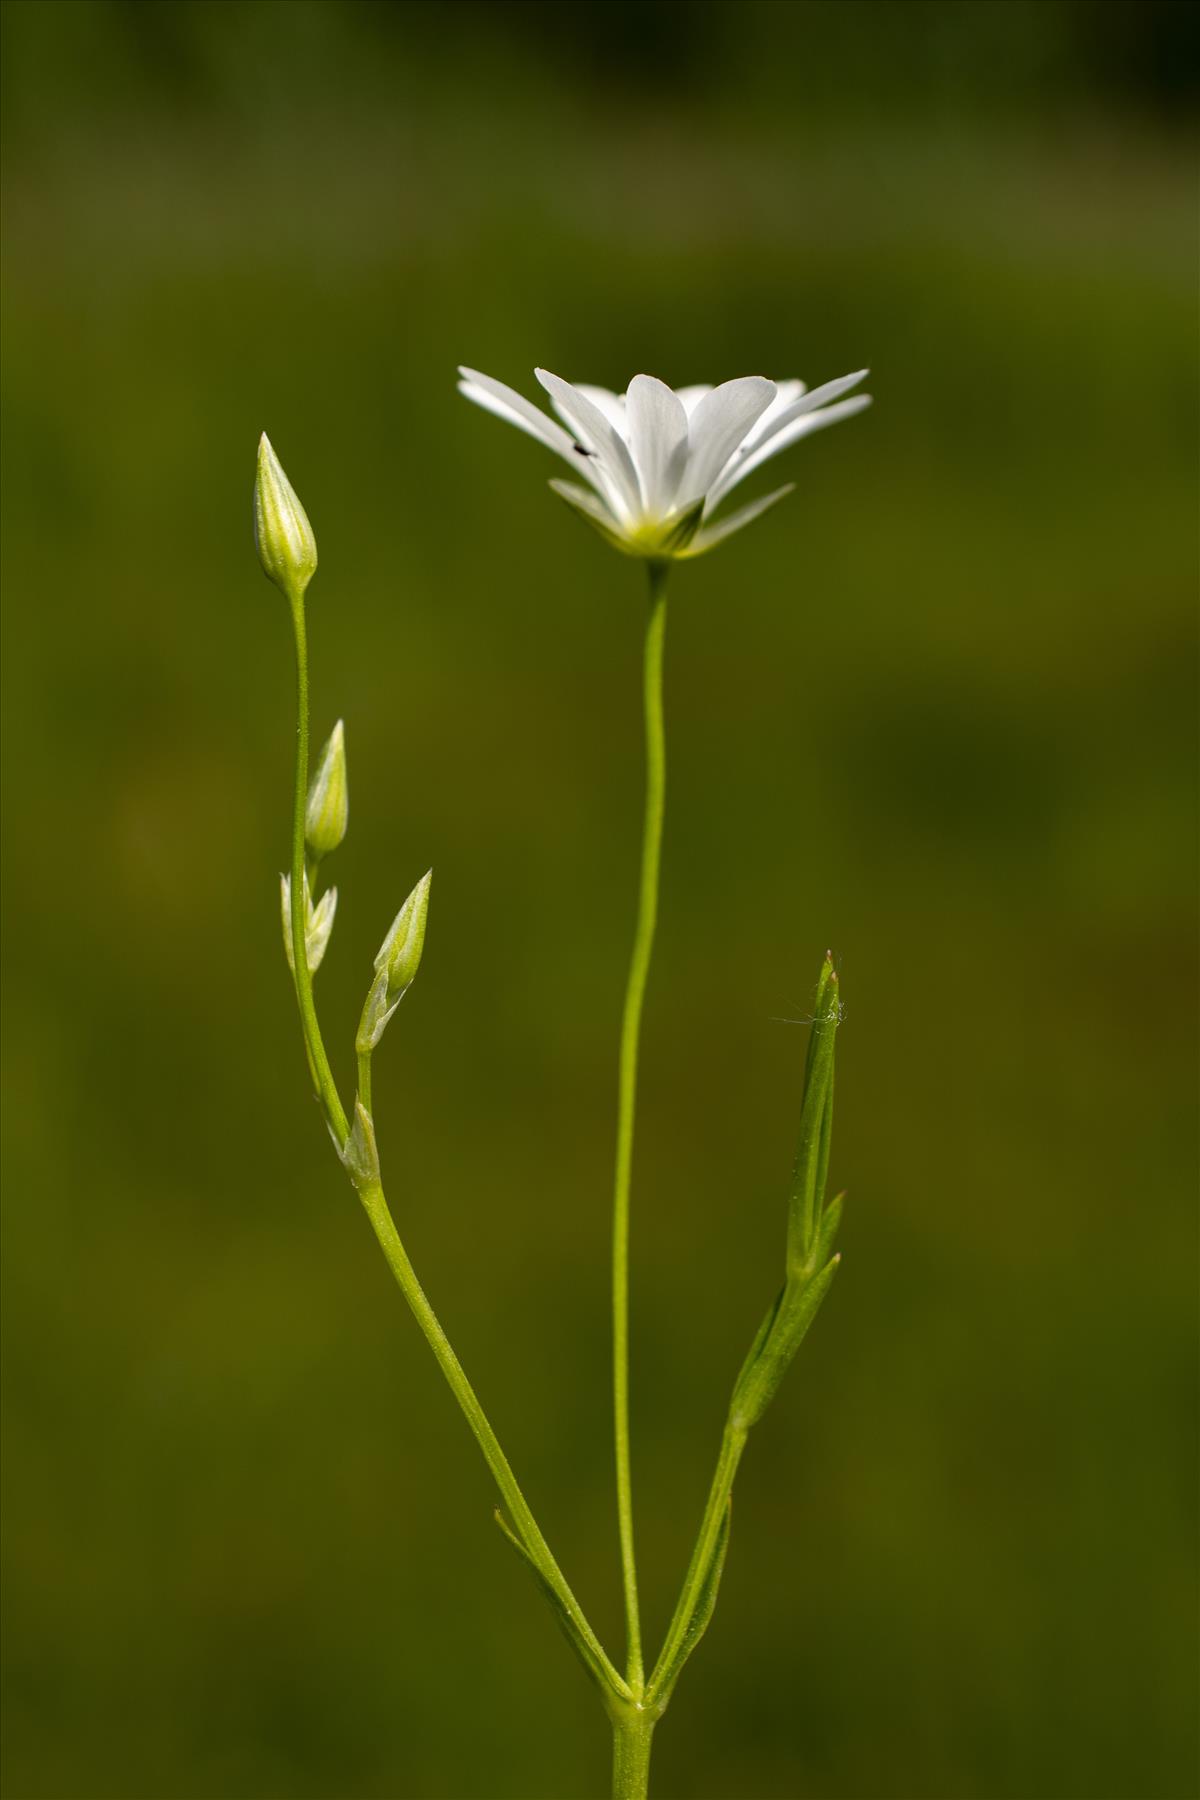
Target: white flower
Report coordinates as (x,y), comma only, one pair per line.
(659,462)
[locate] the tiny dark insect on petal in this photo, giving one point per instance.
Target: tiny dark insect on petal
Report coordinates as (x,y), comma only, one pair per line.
(580,450)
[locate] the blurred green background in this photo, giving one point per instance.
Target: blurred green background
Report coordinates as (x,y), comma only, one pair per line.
(936,711)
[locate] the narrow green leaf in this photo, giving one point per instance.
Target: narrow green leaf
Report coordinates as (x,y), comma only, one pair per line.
(798,1308)
(760,1338)
(816,1120)
(820,1008)
(826,1135)
(568,1623)
(664,1680)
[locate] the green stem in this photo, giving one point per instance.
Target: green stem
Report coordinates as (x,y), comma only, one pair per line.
(524,1523)
(733,1442)
(639,967)
(632,1734)
(318,1061)
(364,1078)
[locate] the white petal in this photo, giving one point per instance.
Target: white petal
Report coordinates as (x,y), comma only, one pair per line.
(507,404)
(786,394)
(690,397)
(658,437)
(832,390)
(713,534)
(599,436)
(789,390)
(610,404)
(718,425)
(804,426)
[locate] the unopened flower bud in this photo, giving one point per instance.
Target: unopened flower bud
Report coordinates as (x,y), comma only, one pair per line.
(318,923)
(400,952)
(325,817)
(398,961)
(287,548)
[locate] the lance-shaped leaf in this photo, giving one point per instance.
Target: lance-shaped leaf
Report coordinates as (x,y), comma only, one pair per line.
(816,1121)
(759,1381)
(760,1339)
(668,1671)
(574,1628)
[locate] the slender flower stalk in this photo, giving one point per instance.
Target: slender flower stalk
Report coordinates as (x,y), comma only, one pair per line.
(659,464)
(631,1024)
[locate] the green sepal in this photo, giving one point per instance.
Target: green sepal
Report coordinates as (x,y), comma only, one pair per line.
(318,922)
(664,1680)
(759,1381)
(376,1012)
(684,529)
(568,1625)
(359,1154)
(591,509)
